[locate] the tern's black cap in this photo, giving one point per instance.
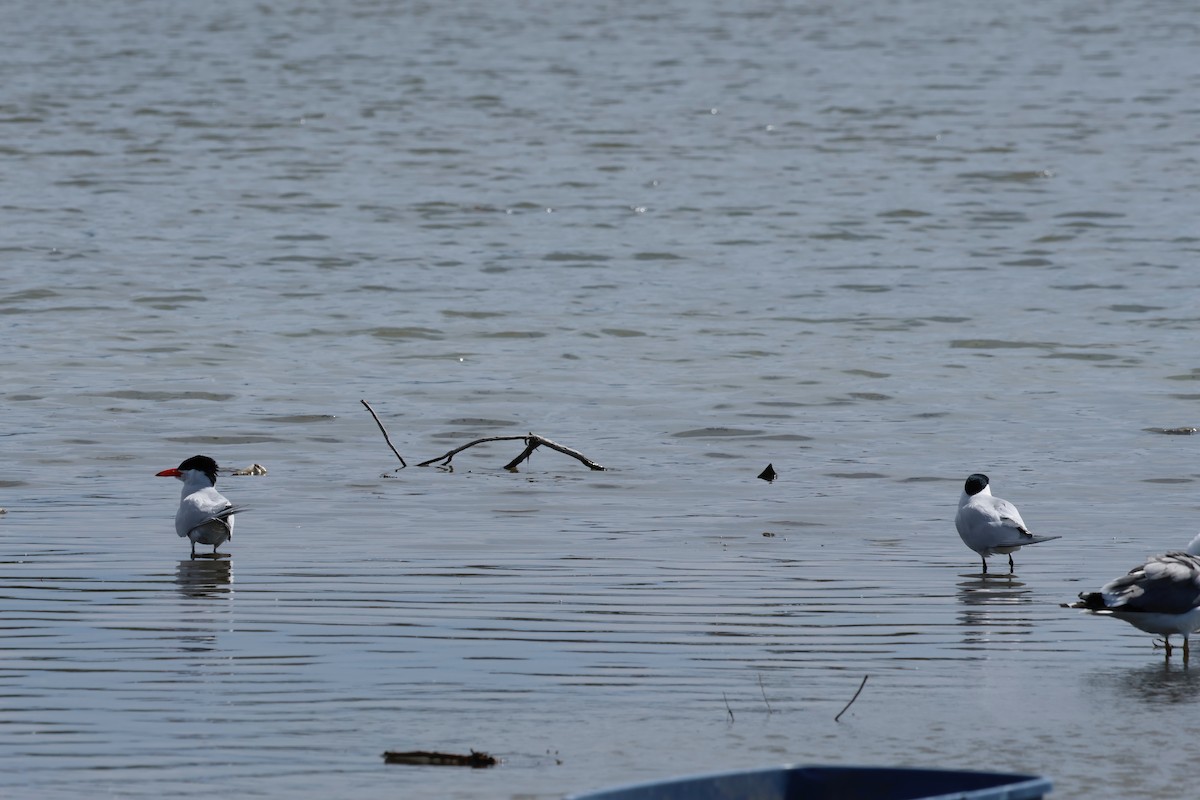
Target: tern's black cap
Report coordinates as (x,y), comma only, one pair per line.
(975,483)
(209,467)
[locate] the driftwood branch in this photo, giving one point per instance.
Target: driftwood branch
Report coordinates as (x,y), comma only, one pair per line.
(383,430)
(532,442)
(445,457)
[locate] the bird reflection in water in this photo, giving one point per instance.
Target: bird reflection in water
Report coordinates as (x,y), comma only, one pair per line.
(205,577)
(1157,684)
(992,605)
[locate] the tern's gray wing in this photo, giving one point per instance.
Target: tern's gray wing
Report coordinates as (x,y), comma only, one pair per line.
(1166,584)
(219,521)
(1009,515)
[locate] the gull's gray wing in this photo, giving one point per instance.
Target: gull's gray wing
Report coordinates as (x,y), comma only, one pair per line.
(1166,584)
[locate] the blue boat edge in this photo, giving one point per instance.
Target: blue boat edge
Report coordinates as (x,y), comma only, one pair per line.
(817,782)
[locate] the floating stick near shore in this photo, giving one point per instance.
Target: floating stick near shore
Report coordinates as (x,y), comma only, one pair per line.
(852,699)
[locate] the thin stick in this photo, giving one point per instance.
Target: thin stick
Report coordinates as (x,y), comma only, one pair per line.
(727,708)
(764,693)
(852,699)
(383,430)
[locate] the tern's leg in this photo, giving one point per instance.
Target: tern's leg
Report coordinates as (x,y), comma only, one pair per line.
(1185,648)
(193,549)
(1011,566)
(984,560)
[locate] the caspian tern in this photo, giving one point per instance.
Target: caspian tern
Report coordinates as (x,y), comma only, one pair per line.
(1161,596)
(204,515)
(989,525)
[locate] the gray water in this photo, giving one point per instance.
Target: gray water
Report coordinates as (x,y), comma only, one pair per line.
(878,245)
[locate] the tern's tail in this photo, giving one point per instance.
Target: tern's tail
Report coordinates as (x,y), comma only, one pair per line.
(226,513)
(1037,539)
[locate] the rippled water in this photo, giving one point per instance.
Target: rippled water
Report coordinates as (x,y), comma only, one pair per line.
(880,246)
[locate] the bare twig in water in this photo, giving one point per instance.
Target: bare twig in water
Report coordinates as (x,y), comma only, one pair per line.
(727,708)
(852,699)
(764,693)
(532,442)
(383,430)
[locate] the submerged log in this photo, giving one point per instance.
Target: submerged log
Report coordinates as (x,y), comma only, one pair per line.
(1187,430)
(476,759)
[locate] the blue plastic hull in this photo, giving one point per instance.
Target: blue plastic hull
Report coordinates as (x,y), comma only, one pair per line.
(834,783)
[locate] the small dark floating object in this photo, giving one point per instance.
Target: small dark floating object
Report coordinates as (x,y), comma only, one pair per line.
(476,760)
(769,474)
(768,534)
(1184,431)
(833,783)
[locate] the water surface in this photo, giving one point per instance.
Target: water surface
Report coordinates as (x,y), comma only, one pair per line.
(879,246)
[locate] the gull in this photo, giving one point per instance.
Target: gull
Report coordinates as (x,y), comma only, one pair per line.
(1161,596)
(204,515)
(989,525)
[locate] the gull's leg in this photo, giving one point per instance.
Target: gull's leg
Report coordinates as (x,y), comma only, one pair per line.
(984,560)
(1185,648)
(193,549)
